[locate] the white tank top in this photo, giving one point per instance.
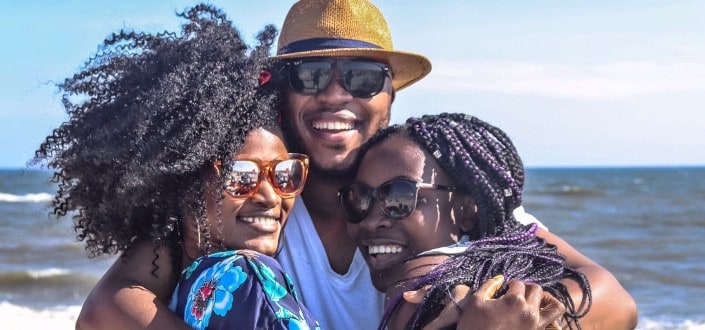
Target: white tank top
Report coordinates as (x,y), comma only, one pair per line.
(347,301)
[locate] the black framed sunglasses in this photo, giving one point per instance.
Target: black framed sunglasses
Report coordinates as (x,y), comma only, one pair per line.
(287,176)
(360,78)
(397,198)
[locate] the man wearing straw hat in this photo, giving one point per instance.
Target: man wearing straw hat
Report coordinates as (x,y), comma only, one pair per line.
(330,119)
(328,116)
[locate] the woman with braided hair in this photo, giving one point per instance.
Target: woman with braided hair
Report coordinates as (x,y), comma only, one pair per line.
(172,155)
(445,188)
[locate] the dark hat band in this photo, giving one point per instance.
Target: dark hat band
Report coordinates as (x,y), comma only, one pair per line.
(323,44)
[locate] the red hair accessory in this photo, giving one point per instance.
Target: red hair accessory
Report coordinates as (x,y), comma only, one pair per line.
(264,77)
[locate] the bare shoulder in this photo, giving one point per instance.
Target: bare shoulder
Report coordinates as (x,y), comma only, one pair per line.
(574,258)
(133,292)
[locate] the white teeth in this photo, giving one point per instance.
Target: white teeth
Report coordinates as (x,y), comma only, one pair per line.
(265,221)
(378,249)
(327,125)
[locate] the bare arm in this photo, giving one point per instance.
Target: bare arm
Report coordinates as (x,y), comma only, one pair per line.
(129,296)
(612,307)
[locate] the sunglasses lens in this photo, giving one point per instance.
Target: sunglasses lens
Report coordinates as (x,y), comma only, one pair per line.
(310,77)
(243,178)
(355,200)
(289,176)
(363,79)
(397,198)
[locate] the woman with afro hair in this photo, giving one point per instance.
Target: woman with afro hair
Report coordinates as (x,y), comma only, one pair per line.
(172,154)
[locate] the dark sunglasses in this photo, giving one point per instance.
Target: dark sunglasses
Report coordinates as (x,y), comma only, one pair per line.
(287,176)
(360,78)
(397,198)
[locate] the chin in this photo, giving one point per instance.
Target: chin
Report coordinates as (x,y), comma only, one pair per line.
(380,282)
(269,251)
(264,248)
(343,168)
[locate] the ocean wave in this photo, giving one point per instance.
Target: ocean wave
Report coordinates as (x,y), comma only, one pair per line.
(566,190)
(64,317)
(26,198)
(50,272)
(670,324)
(30,276)
(23,317)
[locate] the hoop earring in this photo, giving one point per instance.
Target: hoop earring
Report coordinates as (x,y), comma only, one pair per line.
(198,238)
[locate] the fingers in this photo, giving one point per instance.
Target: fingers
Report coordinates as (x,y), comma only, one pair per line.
(516,290)
(460,294)
(415,297)
(533,293)
(550,311)
(490,287)
(542,304)
(555,325)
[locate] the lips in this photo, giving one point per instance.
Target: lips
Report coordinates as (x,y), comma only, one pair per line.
(262,223)
(332,125)
(333,120)
(384,249)
(384,255)
(265,221)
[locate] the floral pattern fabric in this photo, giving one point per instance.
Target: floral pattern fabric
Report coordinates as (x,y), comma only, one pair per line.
(239,290)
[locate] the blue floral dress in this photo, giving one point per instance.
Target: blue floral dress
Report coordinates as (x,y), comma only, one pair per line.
(239,290)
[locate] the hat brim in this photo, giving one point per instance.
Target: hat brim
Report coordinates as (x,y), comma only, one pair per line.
(407,68)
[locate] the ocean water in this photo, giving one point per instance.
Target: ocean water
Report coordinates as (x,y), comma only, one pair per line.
(646,225)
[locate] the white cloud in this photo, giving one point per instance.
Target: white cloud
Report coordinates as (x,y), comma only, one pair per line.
(592,82)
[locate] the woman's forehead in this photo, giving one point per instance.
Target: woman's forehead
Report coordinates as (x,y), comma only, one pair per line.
(398,156)
(264,144)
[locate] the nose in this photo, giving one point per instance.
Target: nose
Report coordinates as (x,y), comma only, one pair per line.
(266,195)
(376,220)
(335,93)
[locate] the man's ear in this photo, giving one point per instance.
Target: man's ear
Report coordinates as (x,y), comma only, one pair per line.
(468,214)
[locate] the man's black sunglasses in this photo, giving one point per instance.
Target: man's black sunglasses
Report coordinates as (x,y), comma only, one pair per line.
(360,78)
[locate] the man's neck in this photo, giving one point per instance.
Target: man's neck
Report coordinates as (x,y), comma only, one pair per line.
(321,198)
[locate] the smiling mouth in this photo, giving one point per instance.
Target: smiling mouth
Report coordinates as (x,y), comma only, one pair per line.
(332,126)
(263,221)
(376,250)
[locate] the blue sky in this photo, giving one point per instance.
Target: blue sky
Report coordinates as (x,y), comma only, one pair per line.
(574,83)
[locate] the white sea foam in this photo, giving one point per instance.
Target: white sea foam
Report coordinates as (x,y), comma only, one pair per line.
(22,317)
(64,317)
(665,324)
(49,272)
(26,198)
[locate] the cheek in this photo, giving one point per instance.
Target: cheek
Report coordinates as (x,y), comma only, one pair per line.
(420,231)
(231,207)
(378,108)
(287,206)
(353,229)
(427,231)
(294,104)
(381,107)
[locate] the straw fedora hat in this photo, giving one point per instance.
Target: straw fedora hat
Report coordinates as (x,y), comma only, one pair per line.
(347,28)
